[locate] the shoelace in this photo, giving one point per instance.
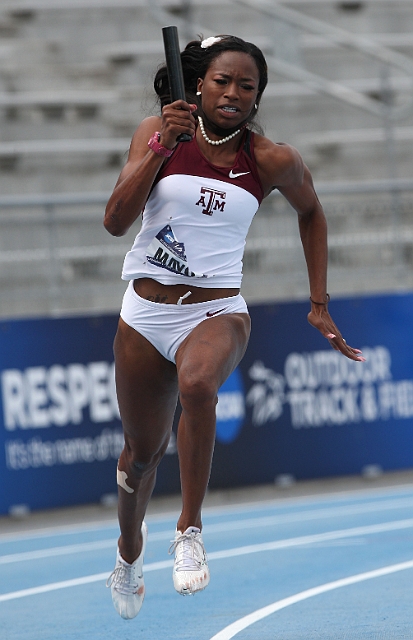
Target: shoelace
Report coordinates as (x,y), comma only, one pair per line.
(187,558)
(120,578)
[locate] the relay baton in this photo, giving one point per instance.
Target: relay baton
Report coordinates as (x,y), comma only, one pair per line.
(174,67)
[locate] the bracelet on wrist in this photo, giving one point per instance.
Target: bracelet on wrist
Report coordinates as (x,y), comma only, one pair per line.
(157,147)
(322,303)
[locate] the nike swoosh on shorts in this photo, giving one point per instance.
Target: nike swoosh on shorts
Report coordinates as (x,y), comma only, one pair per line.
(237,175)
(214,313)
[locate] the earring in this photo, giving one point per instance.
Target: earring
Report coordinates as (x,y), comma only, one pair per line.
(256,106)
(198,93)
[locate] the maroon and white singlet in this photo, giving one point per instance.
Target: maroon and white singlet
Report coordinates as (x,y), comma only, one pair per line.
(196,220)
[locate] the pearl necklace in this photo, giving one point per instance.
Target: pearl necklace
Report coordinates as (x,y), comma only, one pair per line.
(216,142)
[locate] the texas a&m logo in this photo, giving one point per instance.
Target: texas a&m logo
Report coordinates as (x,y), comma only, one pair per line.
(211,200)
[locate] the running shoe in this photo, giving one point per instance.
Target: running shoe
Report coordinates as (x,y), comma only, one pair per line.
(190,573)
(126,583)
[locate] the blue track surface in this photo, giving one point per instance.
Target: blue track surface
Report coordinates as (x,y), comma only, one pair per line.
(330,567)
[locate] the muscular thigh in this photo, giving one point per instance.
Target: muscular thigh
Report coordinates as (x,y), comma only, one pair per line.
(146,384)
(214,348)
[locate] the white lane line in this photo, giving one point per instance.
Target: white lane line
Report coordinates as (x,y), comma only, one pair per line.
(294,502)
(75,582)
(233,629)
(235,525)
(219,555)
(54,586)
(166,535)
(311,539)
(297,502)
(305,516)
(61,529)
(69,549)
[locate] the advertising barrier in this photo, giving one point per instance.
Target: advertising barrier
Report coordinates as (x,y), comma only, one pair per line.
(309,411)
(294,407)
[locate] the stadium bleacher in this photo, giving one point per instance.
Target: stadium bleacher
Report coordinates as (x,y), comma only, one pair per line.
(75,80)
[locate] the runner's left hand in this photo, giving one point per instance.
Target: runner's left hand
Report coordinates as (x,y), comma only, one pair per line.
(320,319)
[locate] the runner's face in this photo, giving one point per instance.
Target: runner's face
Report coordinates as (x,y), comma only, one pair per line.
(230,88)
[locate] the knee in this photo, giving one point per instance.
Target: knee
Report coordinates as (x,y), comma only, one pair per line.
(198,391)
(141,468)
(138,462)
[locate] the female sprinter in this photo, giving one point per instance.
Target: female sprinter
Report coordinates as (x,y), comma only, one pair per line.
(184,325)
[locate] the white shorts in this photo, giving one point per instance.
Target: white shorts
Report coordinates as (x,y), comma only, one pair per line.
(165,326)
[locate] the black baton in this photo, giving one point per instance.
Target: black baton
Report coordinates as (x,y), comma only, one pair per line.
(174,67)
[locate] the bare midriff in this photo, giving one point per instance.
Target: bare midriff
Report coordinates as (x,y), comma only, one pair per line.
(170,293)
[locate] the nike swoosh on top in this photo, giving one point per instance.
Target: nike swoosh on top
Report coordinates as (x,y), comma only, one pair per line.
(214,313)
(237,175)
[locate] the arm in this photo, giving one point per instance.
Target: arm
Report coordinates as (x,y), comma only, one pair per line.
(294,181)
(136,178)
(313,229)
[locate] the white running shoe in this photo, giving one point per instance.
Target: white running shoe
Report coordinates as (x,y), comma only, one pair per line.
(126,583)
(190,573)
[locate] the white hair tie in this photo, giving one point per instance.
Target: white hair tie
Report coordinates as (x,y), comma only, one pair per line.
(210,41)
